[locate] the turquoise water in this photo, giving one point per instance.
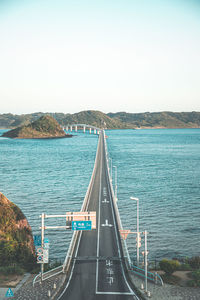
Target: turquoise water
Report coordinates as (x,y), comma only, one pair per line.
(161,167)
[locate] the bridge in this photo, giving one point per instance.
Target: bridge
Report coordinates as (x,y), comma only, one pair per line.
(83,127)
(97,261)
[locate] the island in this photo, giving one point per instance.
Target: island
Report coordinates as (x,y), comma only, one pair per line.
(46,127)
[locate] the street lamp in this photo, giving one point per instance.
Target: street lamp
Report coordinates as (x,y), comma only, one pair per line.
(115,182)
(138,232)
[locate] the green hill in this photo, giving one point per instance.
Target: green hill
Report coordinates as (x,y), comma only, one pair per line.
(111,120)
(16,241)
(44,127)
(158,119)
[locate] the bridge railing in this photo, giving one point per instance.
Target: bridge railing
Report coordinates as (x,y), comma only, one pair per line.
(76,234)
(155,277)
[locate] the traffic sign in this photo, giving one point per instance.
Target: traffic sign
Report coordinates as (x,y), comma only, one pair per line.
(40,259)
(81,225)
(46,240)
(37,240)
(45,256)
(9,293)
(124,233)
(46,243)
(81,216)
(40,255)
(39,250)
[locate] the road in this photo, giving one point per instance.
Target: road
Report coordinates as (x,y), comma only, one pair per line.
(98,270)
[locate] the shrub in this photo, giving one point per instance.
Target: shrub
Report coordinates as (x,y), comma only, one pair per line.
(169,266)
(196,275)
(194,262)
(9,270)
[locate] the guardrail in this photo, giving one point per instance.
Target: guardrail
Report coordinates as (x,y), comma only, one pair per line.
(47,275)
(76,234)
(155,277)
(67,262)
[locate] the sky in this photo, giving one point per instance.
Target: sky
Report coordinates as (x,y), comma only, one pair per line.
(123,55)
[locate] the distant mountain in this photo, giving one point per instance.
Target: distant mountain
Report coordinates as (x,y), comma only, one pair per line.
(16,240)
(44,127)
(120,120)
(158,119)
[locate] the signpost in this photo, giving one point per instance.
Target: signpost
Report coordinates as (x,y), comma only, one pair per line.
(81,225)
(79,221)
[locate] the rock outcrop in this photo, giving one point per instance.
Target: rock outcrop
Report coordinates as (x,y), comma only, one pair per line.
(16,240)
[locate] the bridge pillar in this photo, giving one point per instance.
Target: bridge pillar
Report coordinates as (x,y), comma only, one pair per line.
(95,131)
(71,128)
(84,129)
(76,128)
(90,130)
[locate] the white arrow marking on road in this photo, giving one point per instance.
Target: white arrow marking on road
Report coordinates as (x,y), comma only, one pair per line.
(105,201)
(106,224)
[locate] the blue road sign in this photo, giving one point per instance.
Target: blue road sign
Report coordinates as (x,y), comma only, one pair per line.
(9,293)
(37,240)
(46,240)
(46,243)
(81,225)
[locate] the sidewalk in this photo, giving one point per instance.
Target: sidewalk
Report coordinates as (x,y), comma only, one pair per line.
(45,291)
(167,291)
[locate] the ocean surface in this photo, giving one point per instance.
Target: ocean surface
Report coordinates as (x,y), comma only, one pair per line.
(159,166)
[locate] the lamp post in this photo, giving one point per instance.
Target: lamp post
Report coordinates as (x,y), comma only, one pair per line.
(138,232)
(115,182)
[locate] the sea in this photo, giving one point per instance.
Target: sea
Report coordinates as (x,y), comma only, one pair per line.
(161,167)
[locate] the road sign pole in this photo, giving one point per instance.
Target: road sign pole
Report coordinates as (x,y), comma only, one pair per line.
(42,245)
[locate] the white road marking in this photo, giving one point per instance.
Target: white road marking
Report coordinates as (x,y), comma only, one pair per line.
(98,235)
(110,271)
(106,224)
(105,201)
(110,280)
(109,262)
(115,293)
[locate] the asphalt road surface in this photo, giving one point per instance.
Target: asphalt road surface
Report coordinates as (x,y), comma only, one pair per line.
(98,270)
